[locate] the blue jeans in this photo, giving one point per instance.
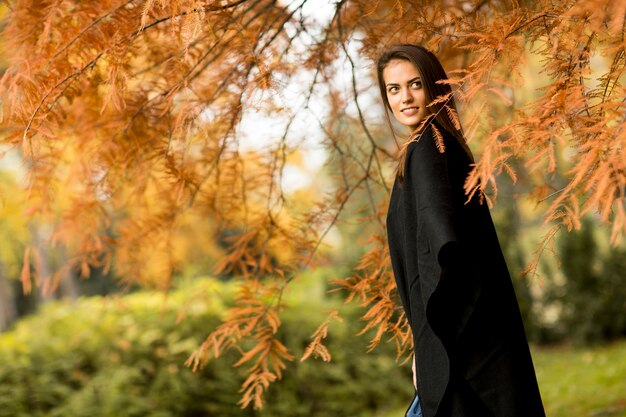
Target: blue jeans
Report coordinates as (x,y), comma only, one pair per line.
(415,409)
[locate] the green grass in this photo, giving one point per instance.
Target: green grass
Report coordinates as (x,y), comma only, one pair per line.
(583,381)
(579,382)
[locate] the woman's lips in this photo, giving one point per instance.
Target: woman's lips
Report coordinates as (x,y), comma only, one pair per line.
(410,111)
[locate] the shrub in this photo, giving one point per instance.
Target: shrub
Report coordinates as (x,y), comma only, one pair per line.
(125,357)
(590,293)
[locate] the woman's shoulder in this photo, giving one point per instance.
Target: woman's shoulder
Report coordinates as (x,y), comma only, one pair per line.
(432,141)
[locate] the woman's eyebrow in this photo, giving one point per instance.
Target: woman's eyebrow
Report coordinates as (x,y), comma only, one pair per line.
(418,78)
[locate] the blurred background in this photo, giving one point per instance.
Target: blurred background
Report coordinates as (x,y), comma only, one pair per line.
(104,344)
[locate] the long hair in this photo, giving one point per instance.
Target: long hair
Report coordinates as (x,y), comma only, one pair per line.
(439,98)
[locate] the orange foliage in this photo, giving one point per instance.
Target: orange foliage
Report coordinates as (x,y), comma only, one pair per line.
(133,109)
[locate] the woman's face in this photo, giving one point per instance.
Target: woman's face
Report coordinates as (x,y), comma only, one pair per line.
(405,93)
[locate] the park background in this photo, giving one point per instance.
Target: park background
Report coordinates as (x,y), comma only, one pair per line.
(135,280)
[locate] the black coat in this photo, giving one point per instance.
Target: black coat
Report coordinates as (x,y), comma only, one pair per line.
(469,341)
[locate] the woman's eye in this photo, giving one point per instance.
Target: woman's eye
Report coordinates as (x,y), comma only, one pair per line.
(392,89)
(416,84)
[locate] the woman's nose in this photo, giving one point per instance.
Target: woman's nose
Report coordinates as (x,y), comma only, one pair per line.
(406,96)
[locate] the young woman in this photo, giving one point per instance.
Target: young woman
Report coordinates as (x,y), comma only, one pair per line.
(471,356)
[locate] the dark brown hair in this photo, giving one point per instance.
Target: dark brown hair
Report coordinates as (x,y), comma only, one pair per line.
(431,72)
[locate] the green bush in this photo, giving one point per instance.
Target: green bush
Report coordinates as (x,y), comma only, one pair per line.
(590,292)
(125,357)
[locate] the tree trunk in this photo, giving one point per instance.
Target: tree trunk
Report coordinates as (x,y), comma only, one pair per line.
(48,262)
(8,310)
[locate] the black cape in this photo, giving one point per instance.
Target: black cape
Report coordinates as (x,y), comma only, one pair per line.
(470,346)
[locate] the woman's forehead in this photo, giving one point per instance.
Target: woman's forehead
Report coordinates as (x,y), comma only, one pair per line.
(399,70)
